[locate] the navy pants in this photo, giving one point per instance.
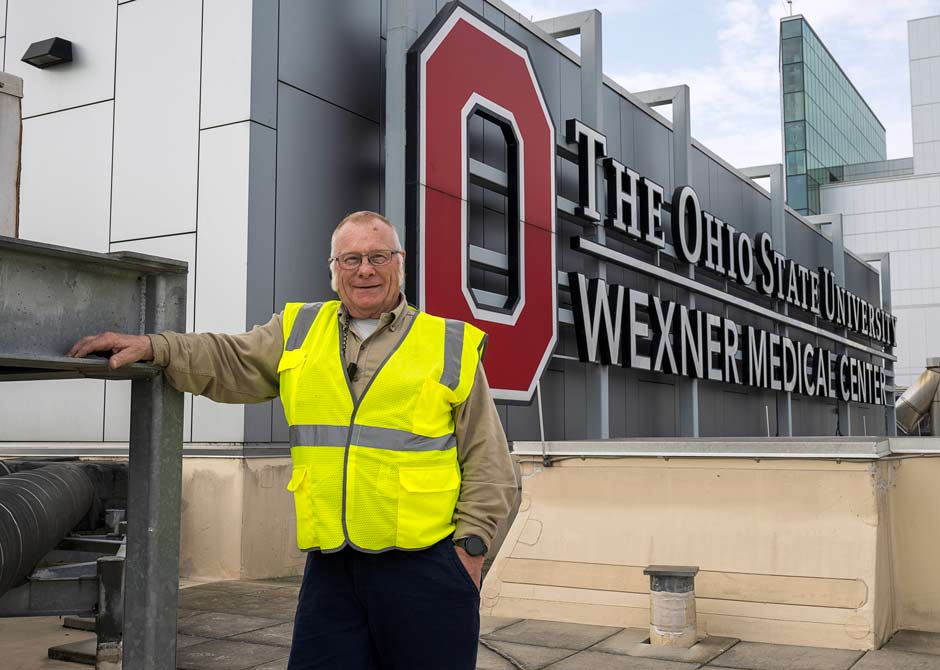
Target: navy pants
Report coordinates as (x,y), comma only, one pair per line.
(398,610)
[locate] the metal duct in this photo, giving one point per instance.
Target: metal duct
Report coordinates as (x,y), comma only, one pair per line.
(912,407)
(37,509)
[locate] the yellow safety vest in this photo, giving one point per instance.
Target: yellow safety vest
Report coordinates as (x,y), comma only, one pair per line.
(381,472)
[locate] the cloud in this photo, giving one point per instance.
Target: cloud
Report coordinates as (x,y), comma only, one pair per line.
(736,96)
(536,10)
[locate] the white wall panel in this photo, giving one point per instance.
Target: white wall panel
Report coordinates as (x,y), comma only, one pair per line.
(66,177)
(222,261)
(90,75)
(3,17)
(924,37)
(926,122)
(239,62)
(67,410)
(156,122)
(226,62)
(117,403)
(925,81)
(926,157)
(3,47)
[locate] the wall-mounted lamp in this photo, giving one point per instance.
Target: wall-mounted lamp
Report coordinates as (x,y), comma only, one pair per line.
(48,53)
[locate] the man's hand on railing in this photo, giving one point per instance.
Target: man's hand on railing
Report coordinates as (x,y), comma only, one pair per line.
(124,349)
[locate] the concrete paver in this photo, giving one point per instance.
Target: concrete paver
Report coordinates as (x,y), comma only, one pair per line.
(227,655)
(595,660)
(760,656)
(279,635)
(489,624)
(280,664)
(887,659)
(24,643)
(553,634)
(490,660)
(916,641)
(632,642)
(530,656)
(218,624)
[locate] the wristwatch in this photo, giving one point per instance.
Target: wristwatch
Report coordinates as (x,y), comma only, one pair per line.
(472,544)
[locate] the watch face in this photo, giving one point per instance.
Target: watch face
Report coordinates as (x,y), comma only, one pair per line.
(474,546)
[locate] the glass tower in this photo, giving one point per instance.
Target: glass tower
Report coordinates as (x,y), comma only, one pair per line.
(826,122)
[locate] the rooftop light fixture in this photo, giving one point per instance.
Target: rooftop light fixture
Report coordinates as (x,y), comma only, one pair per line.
(47,53)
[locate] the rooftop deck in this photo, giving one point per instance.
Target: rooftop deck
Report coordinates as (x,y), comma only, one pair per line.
(241,625)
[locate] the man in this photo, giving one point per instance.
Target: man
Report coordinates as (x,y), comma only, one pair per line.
(401,468)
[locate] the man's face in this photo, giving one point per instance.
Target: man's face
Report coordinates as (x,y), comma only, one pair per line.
(368,290)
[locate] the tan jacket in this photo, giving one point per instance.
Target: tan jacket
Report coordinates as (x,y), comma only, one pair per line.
(243,369)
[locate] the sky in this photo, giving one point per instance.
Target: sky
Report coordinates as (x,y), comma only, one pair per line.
(727,52)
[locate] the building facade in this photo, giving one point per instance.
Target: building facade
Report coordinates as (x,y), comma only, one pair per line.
(826,122)
(894,206)
(239,148)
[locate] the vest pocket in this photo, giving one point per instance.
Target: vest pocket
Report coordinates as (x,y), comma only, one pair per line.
(302,488)
(426,501)
(288,369)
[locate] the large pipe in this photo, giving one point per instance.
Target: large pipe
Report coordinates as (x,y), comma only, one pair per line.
(916,403)
(37,509)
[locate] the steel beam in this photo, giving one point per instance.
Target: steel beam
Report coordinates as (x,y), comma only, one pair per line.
(50,297)
(153,497)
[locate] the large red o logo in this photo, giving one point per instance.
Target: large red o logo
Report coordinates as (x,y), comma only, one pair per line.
(462,66)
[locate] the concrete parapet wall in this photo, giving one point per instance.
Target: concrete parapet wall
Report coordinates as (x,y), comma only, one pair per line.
(795,551)
(238,519)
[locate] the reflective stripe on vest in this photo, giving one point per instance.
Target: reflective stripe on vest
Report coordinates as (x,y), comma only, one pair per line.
(378,472)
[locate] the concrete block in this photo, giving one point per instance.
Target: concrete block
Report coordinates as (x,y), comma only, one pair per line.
(759,656)
(280,664)
(553,634)
(219,624)
(888,659)
(593,660)
(227,655)
(915,641)
(530,656)
(183,641)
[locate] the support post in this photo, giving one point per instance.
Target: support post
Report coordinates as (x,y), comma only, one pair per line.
(11,134)
(401,32)
(891,418)
(835,231)
(588,25)
(778,231)
(687,391)
(153,500)
(110,616)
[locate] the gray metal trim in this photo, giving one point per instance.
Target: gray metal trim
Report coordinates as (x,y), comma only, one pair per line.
(489,177)
(302,324)
(372,437)
(490,260)
(791,448)
(453,353)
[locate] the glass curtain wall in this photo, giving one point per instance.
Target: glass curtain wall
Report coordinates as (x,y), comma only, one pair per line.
(826,122)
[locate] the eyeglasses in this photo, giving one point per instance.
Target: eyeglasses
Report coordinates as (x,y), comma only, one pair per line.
(353,260)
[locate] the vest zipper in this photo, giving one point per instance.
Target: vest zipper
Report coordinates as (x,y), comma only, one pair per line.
(357,402)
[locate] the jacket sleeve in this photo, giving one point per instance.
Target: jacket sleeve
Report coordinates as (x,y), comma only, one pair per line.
(226,368)
(488,486)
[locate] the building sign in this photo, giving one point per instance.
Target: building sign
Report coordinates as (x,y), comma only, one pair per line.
(462,66)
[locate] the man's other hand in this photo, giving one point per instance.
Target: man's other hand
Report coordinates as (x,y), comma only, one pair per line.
(124,349)
(472,564)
